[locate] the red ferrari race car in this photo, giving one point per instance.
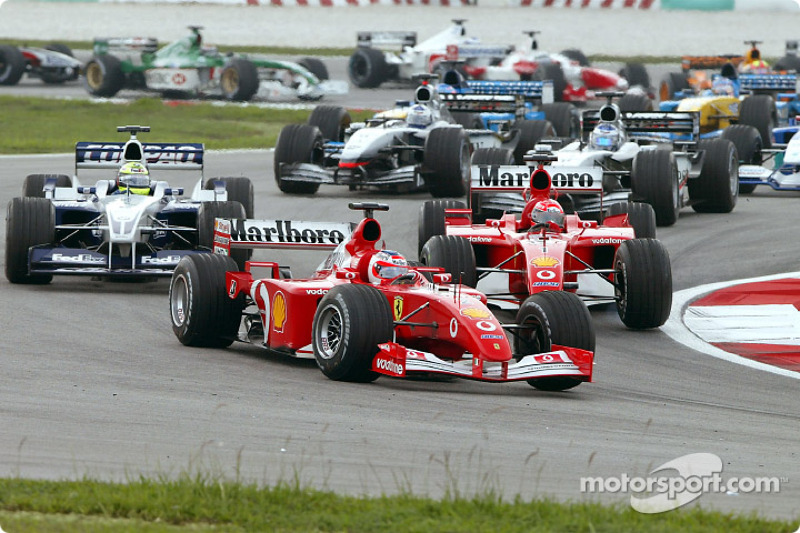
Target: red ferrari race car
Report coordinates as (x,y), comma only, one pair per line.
(53,64)
(545,250)
(367,312)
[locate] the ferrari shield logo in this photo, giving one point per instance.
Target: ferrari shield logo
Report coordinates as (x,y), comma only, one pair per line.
(398,307)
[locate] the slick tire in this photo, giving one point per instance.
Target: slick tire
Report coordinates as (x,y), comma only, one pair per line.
(29,222)
(654,180)
(446,162)
(332,121)
(749,146)
(487,156)
(350,322)
(672,83)
(454,254)
(239,188)
(431,219)
(103,75)
(642,283)
(12,64)
(554,72)
(239,80)
(205,226)
(315,66)
(33,186)
(716,189)
(297,143)
(564,117)
(553,317)
(637,76)
(202,313)
(530,133)
(759,111)
(632,103)
(641,217)
(367,68)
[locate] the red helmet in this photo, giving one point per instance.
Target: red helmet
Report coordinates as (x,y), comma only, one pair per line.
(547,211)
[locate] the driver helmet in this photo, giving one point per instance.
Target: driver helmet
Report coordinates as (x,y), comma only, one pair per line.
(722,86)
(606,136)
(547,211)
(419,116)
(134,176)
(386,265)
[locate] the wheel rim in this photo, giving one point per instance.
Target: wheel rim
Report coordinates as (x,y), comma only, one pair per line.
(329,332)
(230,81)
(94,75)
(733,165)
(465,165)
(179,300)
(676,191)
(620,285)
(533,338)
(360,68)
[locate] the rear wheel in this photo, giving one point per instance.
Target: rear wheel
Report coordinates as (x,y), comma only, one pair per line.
(431,219)
(554,72)
(446,162)
(553,317)
(564,117)
(672,83)
(103,75)
(12,64)
(350,322)
(487,156)
(59,75)
(202,313)
(748,145)
(239,80)
(33,186)
(632,102)
(636,74)
(205,226)
(240,189)
(642,283)
(297,143)
(29,222)
(716,189)
(577,56)
(314,66)
(454,254)
(367,68)
(654,179)
(530,133)
(759,111)
(332,121)
(641,217)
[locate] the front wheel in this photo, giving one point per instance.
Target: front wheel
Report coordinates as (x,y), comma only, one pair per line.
(642,283)
(208,212)
(553,317)
(654,179)
(239,80)
(29,222)
(202,313)
(12,64)
(239,189)
(103,75)
(297,143)
(350,322)
(33,186)
(446,164)
(367,68)
(749,147)
(716,189)
(332,121)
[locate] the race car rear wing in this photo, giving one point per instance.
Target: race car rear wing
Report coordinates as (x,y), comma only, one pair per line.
(650,122)
(709,62)
(386,40)
(246,233)
(173,156)
(497,96)
(127,44)
(517,178)
(769,83)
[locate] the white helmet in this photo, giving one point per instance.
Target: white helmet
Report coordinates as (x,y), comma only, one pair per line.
(419,116)
(606,136)
(386,265)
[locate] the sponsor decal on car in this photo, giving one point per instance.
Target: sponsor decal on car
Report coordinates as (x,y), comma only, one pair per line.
(474,312)
(607,240)
(545,274)
(545,262)
(491,336)
(398,307)
(317,292)
(278,311)
(80,258)
(389,366)
(287,232)
(485,325)
(545,284)
(479,239)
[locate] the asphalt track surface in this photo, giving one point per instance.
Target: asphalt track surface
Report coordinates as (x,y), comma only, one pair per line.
(95,383)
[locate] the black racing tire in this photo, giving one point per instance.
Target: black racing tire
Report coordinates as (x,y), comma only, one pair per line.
(749,146)
(350,321)
(60,75)
(315,66)
(672,83)
(205,226)
(554,72)
(240,189)
(103,75)
(488,156)
(654,179)
(577,55)
(431,219)
(641,217)
(553,317)
(367,68)
(716,189)
(633,102)
(636,74)
(203,315)
(642,283)
(446,162)
(530,133)
(33,186)
(789,63)
(332,121)
(564,117)
(759,111)
(29,222)
(239,80)
(297,143)
(12,64)
(454,254)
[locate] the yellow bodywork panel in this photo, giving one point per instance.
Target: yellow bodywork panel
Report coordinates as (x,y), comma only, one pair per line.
(716,112)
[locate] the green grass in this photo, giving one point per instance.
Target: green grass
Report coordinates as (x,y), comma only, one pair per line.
(44,125)
(208,504)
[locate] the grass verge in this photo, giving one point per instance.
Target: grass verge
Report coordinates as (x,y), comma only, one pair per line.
(43,125)
(207,504)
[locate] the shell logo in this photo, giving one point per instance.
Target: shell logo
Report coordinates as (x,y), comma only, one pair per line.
(278,311)
(545,262)
(474,312)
